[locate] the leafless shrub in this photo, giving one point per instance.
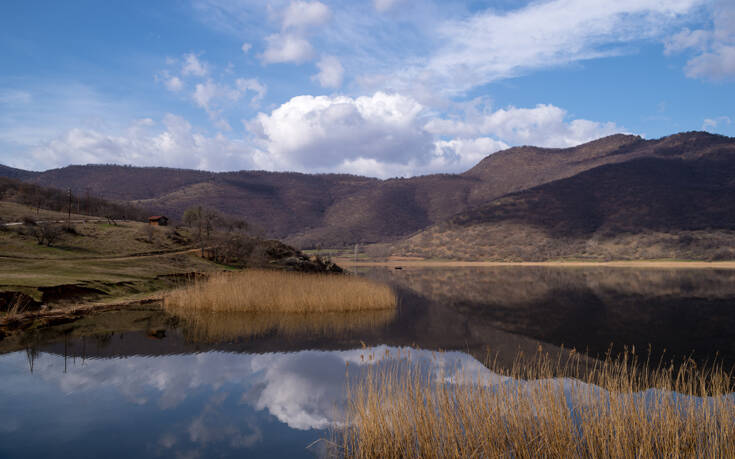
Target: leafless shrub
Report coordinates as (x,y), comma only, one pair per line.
(46,233)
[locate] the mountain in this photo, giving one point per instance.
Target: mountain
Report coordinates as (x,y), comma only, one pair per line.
(582,195)
(674,199)
(18,174)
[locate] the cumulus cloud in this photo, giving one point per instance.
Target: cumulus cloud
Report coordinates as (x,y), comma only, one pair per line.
(253,85)
(291,45)
(174,84)
(193,66)
(176,144)
(319,133)
(714,49)
(301,14)
(330,73)
(246,47)
(387,135)
(287,47)
(544,125)
(383,135)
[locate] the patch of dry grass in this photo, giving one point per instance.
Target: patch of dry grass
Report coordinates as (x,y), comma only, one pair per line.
(278,291)
(542,408)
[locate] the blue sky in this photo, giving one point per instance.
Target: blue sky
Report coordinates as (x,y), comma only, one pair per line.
(376,87)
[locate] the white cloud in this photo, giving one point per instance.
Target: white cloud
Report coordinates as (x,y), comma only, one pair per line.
(291,45)
(714,48)
(301,14)
(207,92)
(251,84)
(466,152)
(320,133)
(718,64)
(287,48)
(491,45)
(710,124)
(176,145)
(246,47)
(193,66)
(543,125)
(213,96)
(174,84)
(383,135)
(330,73)
(687,39)
(387,135)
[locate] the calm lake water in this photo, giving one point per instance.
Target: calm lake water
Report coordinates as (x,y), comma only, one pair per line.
(143,383)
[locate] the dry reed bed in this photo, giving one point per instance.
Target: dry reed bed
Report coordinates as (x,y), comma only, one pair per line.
(278,291)
(229,326)
(542,409)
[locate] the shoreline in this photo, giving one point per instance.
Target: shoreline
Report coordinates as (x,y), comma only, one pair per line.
(652,264)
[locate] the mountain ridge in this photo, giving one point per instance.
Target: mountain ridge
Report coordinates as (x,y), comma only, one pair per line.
(331,210)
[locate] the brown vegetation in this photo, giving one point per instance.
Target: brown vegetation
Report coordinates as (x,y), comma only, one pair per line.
(81,202)
(230,326)
(277,291)
(541,408)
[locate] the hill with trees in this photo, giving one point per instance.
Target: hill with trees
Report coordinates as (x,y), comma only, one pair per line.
(589,200)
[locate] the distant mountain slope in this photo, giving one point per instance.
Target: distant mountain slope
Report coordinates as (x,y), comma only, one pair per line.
(336,210)
(680,202)
(18,174)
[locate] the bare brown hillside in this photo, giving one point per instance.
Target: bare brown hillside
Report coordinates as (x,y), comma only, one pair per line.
(676,206)
(332,210)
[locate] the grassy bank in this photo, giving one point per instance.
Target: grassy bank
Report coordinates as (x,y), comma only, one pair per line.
(277,291)
(542,408)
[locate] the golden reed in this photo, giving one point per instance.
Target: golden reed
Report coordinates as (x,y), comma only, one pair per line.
(213,327)
(541,407)
(279,291)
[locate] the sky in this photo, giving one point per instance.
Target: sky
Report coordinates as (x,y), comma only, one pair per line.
(384,88)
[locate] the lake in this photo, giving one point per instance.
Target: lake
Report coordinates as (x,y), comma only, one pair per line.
(141,382)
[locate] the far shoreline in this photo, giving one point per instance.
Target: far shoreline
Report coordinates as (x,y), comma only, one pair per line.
(651,264)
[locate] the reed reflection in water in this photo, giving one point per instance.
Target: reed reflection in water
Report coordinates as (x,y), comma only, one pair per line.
(212,327)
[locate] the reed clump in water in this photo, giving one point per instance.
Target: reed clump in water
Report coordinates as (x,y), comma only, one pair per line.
(542,408)
(278,291)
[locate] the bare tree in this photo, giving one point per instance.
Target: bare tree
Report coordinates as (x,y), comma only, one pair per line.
(204,221)
(46,233)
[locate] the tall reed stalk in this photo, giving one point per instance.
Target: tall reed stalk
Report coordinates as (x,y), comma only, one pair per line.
(278,291)
(543,407)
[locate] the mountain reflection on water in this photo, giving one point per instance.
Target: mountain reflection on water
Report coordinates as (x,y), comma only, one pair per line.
(141,382)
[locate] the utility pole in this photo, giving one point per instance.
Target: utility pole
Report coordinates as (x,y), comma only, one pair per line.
(88,203)
(355,257)
(68,220)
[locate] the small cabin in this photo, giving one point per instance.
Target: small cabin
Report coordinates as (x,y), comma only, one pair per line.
(158,220)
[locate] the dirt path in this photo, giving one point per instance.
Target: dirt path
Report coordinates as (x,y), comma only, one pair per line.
(348,263)
(56,221)
(131,256)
